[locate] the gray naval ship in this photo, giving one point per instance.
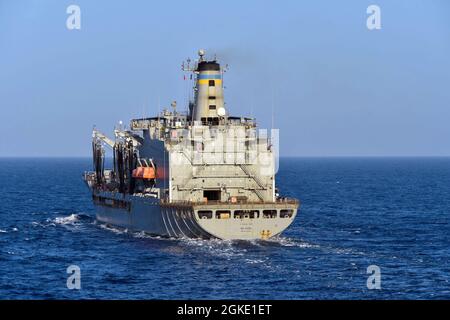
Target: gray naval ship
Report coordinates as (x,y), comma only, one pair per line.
(198,174)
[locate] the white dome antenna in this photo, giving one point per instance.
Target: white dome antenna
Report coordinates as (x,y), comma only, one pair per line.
(201,53)
(221,112)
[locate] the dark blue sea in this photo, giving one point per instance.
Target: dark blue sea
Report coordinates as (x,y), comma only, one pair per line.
(390,212)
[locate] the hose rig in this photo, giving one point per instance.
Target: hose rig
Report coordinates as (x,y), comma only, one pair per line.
(125,159)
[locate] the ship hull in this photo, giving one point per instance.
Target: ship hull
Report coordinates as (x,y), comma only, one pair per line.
(185,220)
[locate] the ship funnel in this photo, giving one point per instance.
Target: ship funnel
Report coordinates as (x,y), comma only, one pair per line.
(209,102)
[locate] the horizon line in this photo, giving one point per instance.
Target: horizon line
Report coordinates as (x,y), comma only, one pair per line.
(287,156)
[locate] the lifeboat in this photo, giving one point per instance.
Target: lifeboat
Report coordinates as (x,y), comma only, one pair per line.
(144,173)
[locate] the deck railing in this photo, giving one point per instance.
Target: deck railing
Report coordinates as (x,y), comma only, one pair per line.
(240,202)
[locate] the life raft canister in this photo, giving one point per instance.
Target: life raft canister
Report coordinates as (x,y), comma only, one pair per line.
(144,173)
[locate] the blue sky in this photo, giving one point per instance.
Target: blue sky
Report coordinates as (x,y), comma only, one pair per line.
(338,88)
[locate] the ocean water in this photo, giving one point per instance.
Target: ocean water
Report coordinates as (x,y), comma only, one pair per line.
(390,212)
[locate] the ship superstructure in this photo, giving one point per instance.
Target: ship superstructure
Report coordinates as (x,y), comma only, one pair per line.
(202,174)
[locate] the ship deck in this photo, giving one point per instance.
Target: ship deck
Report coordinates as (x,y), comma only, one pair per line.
(279,204)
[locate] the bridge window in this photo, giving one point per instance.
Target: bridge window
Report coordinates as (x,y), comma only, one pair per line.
(205,214)
(286,213)
(212,83)
(212,107)
(269,214)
